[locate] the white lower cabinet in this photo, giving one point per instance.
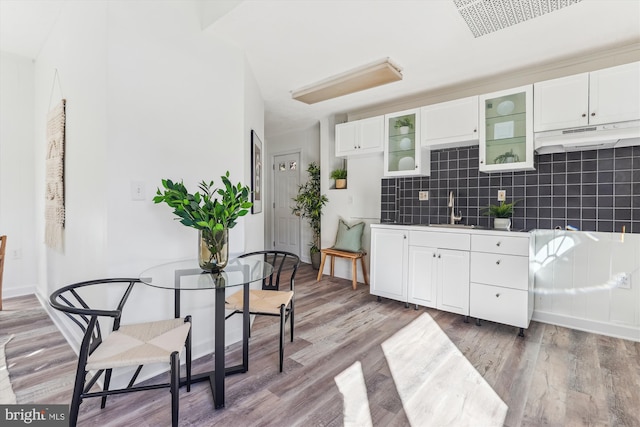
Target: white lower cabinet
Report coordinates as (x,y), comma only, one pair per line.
(439,278)
(479,273)
(389,263)
(501,287)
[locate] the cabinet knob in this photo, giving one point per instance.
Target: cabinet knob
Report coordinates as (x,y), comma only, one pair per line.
(475,130)
(439,256)
(497,295)
(359,146)
(584,115)
(593,114)
(498,262)
(481,161)
(434,255)
(498,244)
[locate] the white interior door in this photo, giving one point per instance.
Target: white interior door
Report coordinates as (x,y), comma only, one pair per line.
(285,187)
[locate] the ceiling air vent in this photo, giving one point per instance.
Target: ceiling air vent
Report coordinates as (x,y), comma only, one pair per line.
(486,16)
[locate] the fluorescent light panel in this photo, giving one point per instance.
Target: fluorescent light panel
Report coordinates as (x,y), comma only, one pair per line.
(361,78)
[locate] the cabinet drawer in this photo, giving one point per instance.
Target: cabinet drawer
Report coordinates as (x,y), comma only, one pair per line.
(435,239)
(503,270)
(500,244)
(497,304)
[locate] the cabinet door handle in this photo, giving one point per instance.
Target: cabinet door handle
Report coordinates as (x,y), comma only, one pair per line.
(434,255)
(498,244)
(481,161)
(497,295)
(584,115)
(475,130)
(593,114)
(498,262)
(439,256)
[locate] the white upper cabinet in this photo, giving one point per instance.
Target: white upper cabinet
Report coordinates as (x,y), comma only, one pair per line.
(360,137)
(403,155)
(450,124)
(506,130)
(605,96)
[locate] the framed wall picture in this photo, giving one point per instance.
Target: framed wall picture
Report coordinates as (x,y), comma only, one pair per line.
(256,173)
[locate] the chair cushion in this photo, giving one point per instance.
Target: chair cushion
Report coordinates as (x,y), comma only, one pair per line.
(140,344)
(260,301)
(349,238)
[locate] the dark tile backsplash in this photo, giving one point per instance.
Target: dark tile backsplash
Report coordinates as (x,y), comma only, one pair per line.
(596,190)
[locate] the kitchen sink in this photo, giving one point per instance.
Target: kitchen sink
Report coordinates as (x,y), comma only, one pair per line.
(455,225)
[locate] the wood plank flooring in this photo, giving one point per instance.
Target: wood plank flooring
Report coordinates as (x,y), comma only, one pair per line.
(553,376)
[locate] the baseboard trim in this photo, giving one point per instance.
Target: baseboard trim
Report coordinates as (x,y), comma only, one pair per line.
(617,331)
(18,292)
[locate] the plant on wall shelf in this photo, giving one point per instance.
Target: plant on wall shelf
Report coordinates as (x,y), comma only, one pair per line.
(309,203)
(339,174)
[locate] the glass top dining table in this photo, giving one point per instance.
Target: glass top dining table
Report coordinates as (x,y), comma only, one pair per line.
(186,275)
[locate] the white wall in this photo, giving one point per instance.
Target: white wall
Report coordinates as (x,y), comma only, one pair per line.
(17,202)
(359,202)
(577,277)
(254,120)
(149,96)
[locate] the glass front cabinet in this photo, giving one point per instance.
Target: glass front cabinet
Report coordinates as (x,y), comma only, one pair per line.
(403,155)
(506,130)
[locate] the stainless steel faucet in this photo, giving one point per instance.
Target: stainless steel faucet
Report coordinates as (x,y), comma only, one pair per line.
(453,217)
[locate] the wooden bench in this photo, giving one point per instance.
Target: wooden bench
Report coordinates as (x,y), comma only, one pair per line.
(353,256)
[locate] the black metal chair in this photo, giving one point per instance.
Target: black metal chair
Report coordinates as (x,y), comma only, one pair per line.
(126,346)
(271,300)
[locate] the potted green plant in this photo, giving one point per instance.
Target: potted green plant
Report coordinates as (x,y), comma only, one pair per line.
(308,204)
(340,176)
(507,157)
(404,124)
(502,214)
(210,215)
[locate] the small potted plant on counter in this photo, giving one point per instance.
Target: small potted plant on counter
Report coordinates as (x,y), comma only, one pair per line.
(502,214)
(340,176)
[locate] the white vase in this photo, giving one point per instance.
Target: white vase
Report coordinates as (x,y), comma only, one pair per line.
(502,223)
(404,130)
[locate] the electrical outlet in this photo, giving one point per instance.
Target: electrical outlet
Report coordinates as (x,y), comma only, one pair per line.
(502,195)
(624,281)
(15,254)
(423,195)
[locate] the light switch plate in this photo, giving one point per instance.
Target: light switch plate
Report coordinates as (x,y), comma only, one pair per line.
(423,195)
(502,195)
(137,190)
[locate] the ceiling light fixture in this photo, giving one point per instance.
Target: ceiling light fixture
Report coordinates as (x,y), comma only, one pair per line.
(371,75)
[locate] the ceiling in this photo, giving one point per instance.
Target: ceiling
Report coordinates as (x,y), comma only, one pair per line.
(290,44)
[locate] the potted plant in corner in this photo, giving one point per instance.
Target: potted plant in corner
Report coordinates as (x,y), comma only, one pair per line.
(212,217)
(308,204)
(340,176)
(502,214)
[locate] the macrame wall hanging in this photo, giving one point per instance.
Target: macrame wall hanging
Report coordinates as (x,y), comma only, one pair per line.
(54,186)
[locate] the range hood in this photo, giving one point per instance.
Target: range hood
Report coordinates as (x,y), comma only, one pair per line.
(588,137)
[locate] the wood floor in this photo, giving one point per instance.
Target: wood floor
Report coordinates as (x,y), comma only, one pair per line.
(554,376)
